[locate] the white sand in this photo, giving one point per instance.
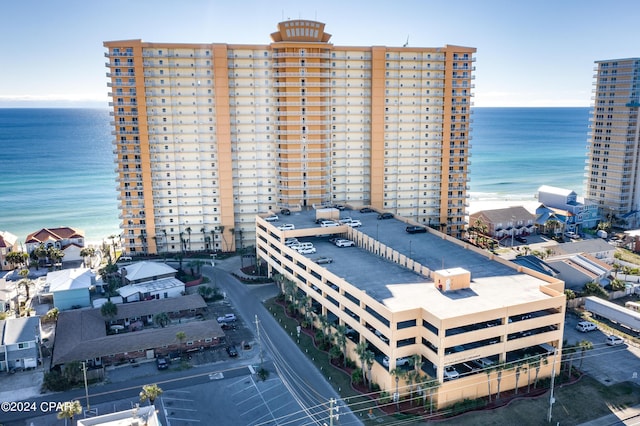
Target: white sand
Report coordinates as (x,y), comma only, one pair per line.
(476,205)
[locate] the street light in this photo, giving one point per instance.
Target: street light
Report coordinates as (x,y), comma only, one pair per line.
(397,395)
(513,229)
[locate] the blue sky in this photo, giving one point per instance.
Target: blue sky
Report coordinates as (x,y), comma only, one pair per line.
(530,53)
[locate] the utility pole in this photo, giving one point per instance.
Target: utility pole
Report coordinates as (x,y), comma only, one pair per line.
(86,388)
(259,343)
(333,411)
(553,377)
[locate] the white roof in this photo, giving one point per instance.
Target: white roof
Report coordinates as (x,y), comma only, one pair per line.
(554,190)
(150,286)
(70,279)
(147,270)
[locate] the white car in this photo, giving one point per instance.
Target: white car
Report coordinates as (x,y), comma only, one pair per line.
(399,361)
(290,241)
(307,250)
(227,318)
(345,220)
(272,218)
(614,340)
(354,223)
(328,224)
(287,227)
(344,243)
(450,373)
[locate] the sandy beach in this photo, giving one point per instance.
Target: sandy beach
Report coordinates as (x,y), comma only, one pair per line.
(476,205)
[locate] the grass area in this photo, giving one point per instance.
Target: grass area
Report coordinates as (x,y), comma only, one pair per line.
(628,256)
(576,403)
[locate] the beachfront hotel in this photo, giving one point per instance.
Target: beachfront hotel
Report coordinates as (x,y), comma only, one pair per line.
(614,142)
(207,136)
(462,322)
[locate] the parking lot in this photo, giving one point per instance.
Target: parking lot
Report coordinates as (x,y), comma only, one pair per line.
(607,364)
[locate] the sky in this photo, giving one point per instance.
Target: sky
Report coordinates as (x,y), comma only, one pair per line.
(529,53)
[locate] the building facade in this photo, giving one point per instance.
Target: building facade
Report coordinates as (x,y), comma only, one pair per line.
(461,312)
(614,142)
(209,135)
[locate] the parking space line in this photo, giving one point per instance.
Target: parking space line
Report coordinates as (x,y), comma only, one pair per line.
(177,399)
(176,391)
(183,409)
(183,420)
(247,399)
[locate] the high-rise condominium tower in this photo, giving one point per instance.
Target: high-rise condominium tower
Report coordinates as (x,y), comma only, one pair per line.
(209,135)
(613,160)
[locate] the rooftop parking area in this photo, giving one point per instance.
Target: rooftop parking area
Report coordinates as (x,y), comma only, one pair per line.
(400,288)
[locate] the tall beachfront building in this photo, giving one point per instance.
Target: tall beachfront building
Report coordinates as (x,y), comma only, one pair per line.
(207,136)
(613,166)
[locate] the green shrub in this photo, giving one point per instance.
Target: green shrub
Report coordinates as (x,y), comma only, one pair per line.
(357,377)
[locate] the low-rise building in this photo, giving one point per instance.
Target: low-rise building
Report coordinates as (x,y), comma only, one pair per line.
(19,340)
(86,335)
(574,213)
(144,415)
(149,280)
(458,310)
(69,240)
(596,247)
(70,288)
(7,244)
(502,223)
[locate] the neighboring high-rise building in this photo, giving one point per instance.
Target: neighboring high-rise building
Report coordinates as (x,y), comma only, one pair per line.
(209,135)
(613,169)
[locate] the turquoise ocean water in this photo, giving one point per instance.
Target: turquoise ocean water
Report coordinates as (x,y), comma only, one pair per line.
(57,164)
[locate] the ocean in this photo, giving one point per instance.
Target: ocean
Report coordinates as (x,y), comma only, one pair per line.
(58,169)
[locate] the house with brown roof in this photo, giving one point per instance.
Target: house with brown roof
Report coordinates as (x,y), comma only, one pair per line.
(86,335)
(7,244)
(503,223)
(69,240)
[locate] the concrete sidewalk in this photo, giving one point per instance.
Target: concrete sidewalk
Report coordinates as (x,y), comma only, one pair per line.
(626,416)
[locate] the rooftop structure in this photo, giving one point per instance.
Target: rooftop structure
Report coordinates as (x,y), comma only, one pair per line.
(612,167)
(209,135)
(427,294)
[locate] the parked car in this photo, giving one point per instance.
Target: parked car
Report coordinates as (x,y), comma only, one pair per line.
(290,241)
(307,250)
(285,212)
(354,223)
(344,243)
(520,239)
(272,218)
(227,318)
(162,363)
(339,206)
(450,373)
(415,229)
(287,227)
(328,223)
(613,340)
(232,351)
(585,326)
(323,260)
(366,210)
(399,361)
(385,215)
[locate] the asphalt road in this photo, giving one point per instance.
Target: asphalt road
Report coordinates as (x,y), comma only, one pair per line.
(295,392)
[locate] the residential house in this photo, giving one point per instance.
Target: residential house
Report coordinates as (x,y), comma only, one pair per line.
(86,335)
(70,287)
(19,340)
(503,223)
(574,213)
(69,240)
(149,280)
(575,270)
(7,244)
(596,247)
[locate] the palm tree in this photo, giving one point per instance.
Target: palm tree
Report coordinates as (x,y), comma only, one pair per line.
(584,345)
(88,252)
(40,253)
(143,241)
(488,371)
(361,349)
(69,410)
(150,392)
(181,336)
(324,324)
(432,386)
(341,341)
(166,242)
(189,232)
(369,356)
(499,368)
(519,367)
(398,373)
(416,361)
(162,319)
(16,258)
(204,235)
(109,309)
(25,282)
(55,254)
